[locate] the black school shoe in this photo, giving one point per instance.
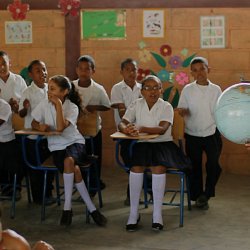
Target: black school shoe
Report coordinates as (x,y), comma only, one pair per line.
(157,226)
(202,202)
(133,227)
(98,218)
(66,218)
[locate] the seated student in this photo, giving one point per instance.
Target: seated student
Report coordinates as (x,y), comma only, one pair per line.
(30,98)
(9,155)
(151,115)
(60,113)
(10,240)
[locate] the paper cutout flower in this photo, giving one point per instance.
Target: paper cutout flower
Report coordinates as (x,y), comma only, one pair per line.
(18,9)
(69,7)
(163,75)
(142,73)
(165,50)
(182,78)
(144,55)
(175,62)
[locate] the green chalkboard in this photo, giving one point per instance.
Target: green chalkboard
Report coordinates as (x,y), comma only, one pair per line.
(103,24)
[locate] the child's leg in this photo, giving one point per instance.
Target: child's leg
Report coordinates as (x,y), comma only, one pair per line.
(81,187)
(135,184)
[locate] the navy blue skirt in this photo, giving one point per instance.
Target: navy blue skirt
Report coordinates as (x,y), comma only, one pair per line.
(166,154)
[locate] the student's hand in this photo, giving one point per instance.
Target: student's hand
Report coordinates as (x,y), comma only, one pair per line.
(26,104)
(85,111)
(131,129)
(44,128)
(14,105)
(42,245)
(183,112)
(91,108)
(54,99)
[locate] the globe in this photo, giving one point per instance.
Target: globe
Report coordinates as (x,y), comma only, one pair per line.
(232,113)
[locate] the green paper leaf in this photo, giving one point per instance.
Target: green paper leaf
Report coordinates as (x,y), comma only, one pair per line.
(161,61)
(175,99)
(187,61)
(153,73)
(166,93)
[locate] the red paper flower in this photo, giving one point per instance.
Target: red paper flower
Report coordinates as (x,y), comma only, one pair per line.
(18,9)
(69,7)
(166,50)
(142,73)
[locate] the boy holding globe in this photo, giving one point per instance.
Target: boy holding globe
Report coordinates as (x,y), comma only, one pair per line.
(196,105)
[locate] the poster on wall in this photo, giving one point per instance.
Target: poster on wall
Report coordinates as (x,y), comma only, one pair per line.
(103,24)
(153,23)
(18,32)
(212,31)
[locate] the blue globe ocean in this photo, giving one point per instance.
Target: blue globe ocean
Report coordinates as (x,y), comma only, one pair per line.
(232,113)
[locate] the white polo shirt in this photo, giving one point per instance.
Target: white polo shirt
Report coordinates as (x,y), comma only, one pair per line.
(6,130)
(12,88)
(122,93)
(45,113)
(35,95)
(95,94)
(201,101)
(139,113)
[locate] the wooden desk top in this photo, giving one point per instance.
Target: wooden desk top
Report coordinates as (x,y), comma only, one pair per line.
(142,136)
(36,132)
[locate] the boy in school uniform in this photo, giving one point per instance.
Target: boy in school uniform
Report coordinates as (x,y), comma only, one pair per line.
(30,98)
(94,98)
(196,104)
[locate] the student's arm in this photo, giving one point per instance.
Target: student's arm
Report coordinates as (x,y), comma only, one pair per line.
(39,126)
(26,105)
(161,129)
(14,105)
(128,128)
(121,108)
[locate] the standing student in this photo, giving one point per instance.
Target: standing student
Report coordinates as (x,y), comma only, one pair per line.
(60,113)
(30,98)
(197,104)
(94,98)
(151,115)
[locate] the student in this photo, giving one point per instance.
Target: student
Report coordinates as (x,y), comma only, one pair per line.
(94,98)
(30,98)
(196,105)
(151,115)
(11,88)
(60,113)
(9,155)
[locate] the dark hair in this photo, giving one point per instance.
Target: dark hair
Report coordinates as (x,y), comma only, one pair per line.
(63,83)
(3,53)
(150,77)
(199,59)
(34,62)
(127,61)
(88,59)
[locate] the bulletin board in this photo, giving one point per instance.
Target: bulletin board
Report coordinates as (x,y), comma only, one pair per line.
(103,24)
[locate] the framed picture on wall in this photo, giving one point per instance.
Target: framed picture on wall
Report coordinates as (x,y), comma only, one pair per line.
(18,32)
(212,30)
(153,23)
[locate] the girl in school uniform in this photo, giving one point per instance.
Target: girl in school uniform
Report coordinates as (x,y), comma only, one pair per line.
(151,115)
(59,113)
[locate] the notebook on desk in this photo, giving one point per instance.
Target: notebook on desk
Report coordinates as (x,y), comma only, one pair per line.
(87,124)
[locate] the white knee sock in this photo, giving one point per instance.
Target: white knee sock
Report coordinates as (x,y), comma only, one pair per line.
(135,186)
(158,186)
(68,189)
(81,187)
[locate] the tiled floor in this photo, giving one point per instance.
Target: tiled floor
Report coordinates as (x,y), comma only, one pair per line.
(226,225)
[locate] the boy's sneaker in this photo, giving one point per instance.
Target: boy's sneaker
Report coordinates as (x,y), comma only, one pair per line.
(66,218)
(202,202)
(98,218)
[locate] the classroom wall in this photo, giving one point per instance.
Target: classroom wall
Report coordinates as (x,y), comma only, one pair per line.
(182,31)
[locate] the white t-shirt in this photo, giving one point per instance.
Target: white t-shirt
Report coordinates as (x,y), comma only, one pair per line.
(201,101)
(12,88)
(95,94)
(6,130)
(122,93)
(139,113)
(35,95)
(45,113)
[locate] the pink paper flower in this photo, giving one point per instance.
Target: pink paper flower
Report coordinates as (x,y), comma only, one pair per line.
(182,78)
(69,7)
(18,10)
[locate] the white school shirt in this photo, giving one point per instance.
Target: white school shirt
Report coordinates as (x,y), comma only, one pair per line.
(95,94)
(12,88)
(201,101)
(6,130)
(45,113)
(139,113)
(122,93)
(35,95)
